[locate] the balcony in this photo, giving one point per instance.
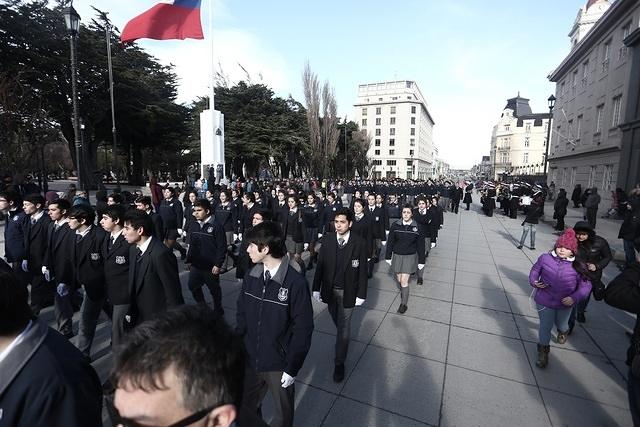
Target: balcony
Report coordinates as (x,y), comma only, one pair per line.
(504,148)
(503,164)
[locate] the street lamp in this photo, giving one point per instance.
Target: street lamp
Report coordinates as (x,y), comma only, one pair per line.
(72,21)
(552,102)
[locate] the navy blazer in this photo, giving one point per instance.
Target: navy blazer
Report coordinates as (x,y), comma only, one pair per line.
(116,270)
(14,232)
(35,241)
(89,263)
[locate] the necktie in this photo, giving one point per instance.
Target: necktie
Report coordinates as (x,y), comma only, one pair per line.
(341,242)
(33,221)
(267,276)
(110,245)
(78,237)
(139,255)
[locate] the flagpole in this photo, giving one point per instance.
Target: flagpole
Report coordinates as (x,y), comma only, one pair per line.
(114,156)
(213,66)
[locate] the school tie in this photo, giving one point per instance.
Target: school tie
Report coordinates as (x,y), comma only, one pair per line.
(33,221)
(78,237)
(267,276)
(110,245)
(139,255)
(341,243)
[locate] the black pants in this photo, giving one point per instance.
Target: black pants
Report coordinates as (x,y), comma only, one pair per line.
(199,277)
(468,203)
(580,307)
(256,385)
(64,313)
(560,224)
(41,293)
(592,214)
(455,204)
(342,319)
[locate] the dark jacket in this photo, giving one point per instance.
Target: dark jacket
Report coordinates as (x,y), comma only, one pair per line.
(294,226)
(59,255)
(171,213)
(424,221)
(378,221)
(363,228)
(623,291)
(275,319)
(405,240)
(116,270)
(560,206)
(36,243)
(207,244)
(14,231)
(89,263)
(576,194)
(630,228)
(224,217)
(467,195)
(280,212)
(154,284)
(595,250)
(158,226)
(246,218)
(355,272)
(534,212)
(45,381)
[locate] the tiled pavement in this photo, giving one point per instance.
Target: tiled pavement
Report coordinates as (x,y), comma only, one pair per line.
(464,353)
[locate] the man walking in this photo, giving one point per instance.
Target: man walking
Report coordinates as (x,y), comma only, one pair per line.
(14,228)
(35,250)
(340,281)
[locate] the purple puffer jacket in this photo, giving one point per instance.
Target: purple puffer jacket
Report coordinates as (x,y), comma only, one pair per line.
(562,278)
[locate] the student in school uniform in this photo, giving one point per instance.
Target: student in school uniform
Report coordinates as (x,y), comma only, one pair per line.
(405,252)
(311,216)
(293,231)
(423,216)
(171,211)
(35,249)
(14,229)
(377,215)
(362,226)
(143,203)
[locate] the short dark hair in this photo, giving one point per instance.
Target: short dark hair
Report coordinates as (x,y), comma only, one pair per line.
(34,198)
(81,212)
(264,213)
(268,234)
(11,196)
(294,197)
(117,197)
(116,213)
(14,307)
(346,212)
(139,219)
(408,206)
(360,201)
(207,356)
(145,200)
(249,195)
(202,203)
(63,205)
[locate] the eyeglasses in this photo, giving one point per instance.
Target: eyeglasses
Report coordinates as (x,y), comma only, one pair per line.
(120,421)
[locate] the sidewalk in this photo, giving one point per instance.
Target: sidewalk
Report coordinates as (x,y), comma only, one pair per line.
(464,353)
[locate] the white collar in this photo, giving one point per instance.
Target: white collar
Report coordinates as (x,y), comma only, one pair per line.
(62,221)
(17,340)
(555,255)
(36,216)
(205,221)
(345,237)
(406,223)
(85,232)
(273,271)
(116,234)
(143,247)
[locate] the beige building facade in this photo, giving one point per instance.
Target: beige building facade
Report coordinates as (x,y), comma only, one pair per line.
(396,117)
(592,91)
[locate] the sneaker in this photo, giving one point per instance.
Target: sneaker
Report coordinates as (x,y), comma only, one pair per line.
(519,246)
(338,373)
(580,318)
(419,281)
(562,337)
(533,248)
(402,309)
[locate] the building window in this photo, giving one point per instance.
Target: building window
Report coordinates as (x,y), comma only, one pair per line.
(412,142)
(379,99)
(377,132)
(585,73)
(391,162)
(574,81)
(378,110)
(507,127)
(606,54)
(622,53)
(617,106)
(413,131)
(527,128)
(607,175)
(409,162)
(592,176)
(377,143)
(411,153)
(413,109)
(364,111)
(570,137)
(574,171)
(578,127)
(364,122)
(413,120)
(392,120)
(377,152)
(561,88)
(378,121)
(392,142)
(393,110)
(392,152)
(526,141)
(392,131)
(525,158)
(599,114)
(393,98)
(377,162)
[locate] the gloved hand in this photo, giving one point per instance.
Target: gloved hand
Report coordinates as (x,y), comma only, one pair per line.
(420,266)
(319,235)
(62,290)
(359,302)
(239,236)
(386,232)
(25,266)
(316,296)
(287,380)
(180,232)
(46,273)
(388,261)
(384,242)
(305,246)
(235,237)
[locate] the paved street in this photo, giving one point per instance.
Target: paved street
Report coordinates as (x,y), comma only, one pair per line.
(464,353)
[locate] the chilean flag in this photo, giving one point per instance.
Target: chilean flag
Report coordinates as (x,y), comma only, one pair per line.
(169,19)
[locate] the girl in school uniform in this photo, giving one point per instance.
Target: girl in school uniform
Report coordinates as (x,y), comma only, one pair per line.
(363,227)
(293,230)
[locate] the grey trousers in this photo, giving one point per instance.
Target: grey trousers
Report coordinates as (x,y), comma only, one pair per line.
(89,315)
(199,277)
(256,385)
(427,248)
(117,324)
(342,319)
(525,230)
(64,313)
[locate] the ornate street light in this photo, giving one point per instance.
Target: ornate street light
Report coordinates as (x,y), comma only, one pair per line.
(552,102)
(72,21)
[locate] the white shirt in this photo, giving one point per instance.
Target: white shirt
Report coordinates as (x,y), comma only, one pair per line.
(117,234)
(205,221)
(406,223)
(84,233)
(143,247)
(61,222)
(17,340)
(345,237)
(274,270)
(36,216)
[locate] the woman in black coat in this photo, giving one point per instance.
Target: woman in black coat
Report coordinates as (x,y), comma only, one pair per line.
(575,196)
(363,227)
(467,196)
(560,209)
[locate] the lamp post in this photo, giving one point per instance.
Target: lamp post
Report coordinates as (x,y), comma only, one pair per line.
(345,148)
(72,20)
(552,102)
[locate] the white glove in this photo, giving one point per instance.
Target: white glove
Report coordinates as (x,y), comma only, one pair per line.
(46,273)
(305,246)
(359,302)
(235,237)
(180,232)
(384,242)
(239,236)
(319,235)
(388,261)
(25,266)
(386,232)
(420,266)
(62,290)
(286,380)
(316,296)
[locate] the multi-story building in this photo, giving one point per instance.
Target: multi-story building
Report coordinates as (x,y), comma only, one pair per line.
(518,140)
(592,90)
(396,117)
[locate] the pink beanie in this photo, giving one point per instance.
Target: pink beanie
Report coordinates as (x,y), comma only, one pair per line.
(568,240)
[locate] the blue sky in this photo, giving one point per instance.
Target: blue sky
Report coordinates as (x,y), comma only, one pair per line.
(467,56)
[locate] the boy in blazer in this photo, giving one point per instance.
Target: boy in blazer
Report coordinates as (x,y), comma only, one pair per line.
(154,284)
(35,249)
(340,281)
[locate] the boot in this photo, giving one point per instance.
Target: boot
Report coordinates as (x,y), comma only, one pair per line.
(561,338)
(543,356)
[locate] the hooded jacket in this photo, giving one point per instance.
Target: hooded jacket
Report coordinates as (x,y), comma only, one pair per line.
(561,278)
(594,250)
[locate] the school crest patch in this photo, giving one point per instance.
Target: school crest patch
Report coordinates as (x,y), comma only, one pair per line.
(120,259)
(209,229)
(95,256)
(283,294)
(415,229)
(355,263)
(15,218)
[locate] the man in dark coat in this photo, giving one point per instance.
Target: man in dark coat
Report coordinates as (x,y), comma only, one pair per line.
(576,196)
(340,281)
(154,284)
(143,203)
(44,380)
(560,209)
(630,228)
(14,228)
(35,249)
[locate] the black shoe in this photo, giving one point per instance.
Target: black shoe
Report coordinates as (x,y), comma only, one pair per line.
(419,281)
(533,248)
(338,373)
(402,309)
(519,246)
(580,318)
